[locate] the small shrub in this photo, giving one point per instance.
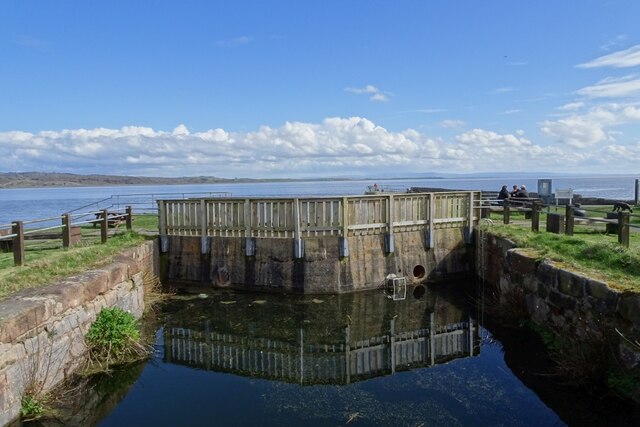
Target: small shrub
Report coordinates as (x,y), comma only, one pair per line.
(32,406)
(114,338)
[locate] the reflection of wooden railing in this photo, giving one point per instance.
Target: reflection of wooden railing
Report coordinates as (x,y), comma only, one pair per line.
(319,216)
(307,362)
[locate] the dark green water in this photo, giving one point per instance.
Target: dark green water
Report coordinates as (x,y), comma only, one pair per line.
(237,359)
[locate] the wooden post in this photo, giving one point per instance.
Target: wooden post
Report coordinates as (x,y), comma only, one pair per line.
(432,215)
(162,218)
(623,229)
(298,250)
(390,243)
(506,213)
(66,230)
(104,226)
(569,222)
(129,217)
(17,228)
(468,233)
(344,242)
(535,216)
(637,192)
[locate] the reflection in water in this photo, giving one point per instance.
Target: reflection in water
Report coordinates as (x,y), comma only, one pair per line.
(272,360)
(337,340)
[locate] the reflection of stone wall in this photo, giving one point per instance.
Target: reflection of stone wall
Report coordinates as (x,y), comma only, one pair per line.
(570,303)
(42,329)
(321,270)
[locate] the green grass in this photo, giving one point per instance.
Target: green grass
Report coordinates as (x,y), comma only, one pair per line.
(46,263)
(589,251)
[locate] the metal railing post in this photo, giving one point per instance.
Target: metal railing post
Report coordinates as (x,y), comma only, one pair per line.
(17,228)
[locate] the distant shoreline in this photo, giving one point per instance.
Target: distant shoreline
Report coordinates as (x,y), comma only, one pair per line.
(43,180)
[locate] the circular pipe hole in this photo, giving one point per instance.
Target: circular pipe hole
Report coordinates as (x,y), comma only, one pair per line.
(419,291)
(419,272)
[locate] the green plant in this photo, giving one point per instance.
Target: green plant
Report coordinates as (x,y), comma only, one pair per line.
(114,338)
(32,406)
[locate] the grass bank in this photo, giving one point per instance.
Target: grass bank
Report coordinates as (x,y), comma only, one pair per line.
(46,264)
(590,252)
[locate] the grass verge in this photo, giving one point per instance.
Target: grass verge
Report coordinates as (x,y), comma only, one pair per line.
(590,252)
(46,266)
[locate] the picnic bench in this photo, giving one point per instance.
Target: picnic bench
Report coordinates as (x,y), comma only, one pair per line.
(113,219)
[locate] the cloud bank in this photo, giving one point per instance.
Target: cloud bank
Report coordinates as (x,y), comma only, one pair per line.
(335,147)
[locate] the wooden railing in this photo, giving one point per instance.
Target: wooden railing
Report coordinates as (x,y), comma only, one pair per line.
(318,216)
(66,228)
(564,222)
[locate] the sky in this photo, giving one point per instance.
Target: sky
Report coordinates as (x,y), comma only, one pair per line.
(330,88)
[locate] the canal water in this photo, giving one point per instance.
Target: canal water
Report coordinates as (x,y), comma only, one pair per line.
(237,359)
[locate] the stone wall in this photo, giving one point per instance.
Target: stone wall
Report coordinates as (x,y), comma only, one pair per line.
(273,265)
(42,329)
(570,303)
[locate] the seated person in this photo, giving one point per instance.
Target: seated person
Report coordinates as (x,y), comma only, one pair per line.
(514,191)
(523,192)
(504,193)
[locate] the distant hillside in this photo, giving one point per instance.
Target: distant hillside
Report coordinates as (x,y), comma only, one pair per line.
(43,179)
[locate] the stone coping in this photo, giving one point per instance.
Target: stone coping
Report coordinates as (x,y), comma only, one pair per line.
(24,311)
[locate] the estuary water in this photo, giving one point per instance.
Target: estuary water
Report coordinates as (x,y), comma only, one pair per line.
(35,203)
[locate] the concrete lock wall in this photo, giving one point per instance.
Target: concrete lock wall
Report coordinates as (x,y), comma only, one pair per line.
(321,269)
(42,329)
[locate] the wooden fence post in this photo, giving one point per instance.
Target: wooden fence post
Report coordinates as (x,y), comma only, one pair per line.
(535,216)
(104,225)
(129,218)
(623,229)
(569,218)
(506,212)
(66,230)
(17,228)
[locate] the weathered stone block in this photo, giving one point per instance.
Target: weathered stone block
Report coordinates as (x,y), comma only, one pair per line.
(629,308)
(547,274)
(571,284)
(601,297)
(562,301)
(520,262)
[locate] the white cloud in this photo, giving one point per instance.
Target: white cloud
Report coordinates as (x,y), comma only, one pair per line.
(514,111)
(616,41)
(376,94)
(621,59)
(452,124)
(613,88)
(592,127)
(572,106)
(503,90)
(335,146)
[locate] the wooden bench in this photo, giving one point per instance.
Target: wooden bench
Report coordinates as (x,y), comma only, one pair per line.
(113,220)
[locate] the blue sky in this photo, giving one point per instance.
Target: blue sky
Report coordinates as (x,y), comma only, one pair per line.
(319,88)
